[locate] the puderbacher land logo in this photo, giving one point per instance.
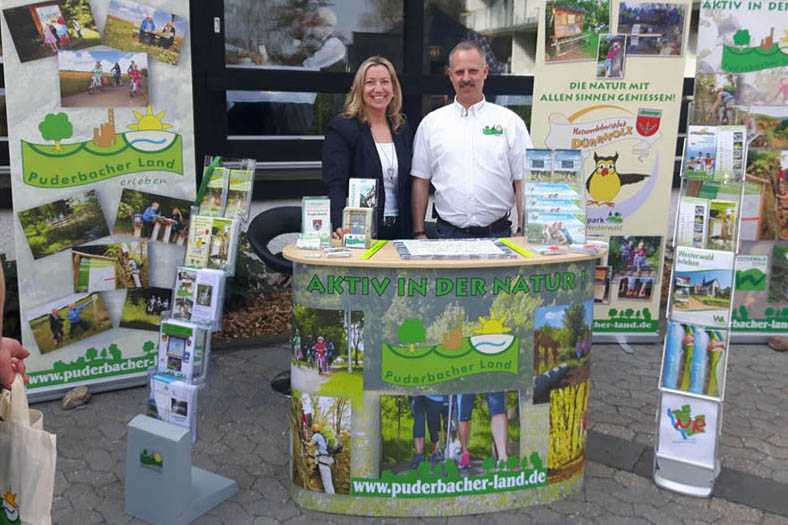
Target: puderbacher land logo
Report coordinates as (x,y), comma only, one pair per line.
(685,424)
(489,348)
(148,145)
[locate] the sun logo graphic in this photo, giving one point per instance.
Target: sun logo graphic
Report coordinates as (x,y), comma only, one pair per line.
(492,336)
(149,131)
(10,514)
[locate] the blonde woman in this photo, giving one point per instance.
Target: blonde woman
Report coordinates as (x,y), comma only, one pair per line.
(371,139)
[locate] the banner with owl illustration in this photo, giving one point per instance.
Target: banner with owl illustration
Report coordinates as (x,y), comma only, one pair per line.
(107,171)
(615,94)
(741,79)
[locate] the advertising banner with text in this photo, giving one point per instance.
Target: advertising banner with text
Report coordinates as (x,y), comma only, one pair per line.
(101,140)
(741,79)
(608,81)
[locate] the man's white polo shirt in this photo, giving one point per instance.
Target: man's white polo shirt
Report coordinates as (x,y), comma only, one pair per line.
(472,156)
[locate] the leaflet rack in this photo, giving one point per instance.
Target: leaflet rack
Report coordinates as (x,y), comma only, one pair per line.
(162,486)
(699,311)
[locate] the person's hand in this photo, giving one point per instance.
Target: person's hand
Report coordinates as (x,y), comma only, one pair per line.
(421,236)
(339,233)
(12,356)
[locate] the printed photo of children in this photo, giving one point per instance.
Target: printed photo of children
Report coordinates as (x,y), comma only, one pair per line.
(611,56)
(69,320)
(320,429)
(103,78)
(328,341)
(43,29)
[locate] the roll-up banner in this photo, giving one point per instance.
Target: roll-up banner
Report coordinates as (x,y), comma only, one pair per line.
(101,140)
(741,79)
(608,81)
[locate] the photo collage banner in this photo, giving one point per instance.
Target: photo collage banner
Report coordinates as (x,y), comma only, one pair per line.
(608,82)
(426,392)
(101,140)
(741,79)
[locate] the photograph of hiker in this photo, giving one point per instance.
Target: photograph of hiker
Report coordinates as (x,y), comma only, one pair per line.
(103,267)
(154,217)
(103,78)
(320,430)
(469,432)
(61,323)
(64,223)
(44,29)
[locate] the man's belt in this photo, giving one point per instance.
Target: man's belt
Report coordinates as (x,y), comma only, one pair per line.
(481,231)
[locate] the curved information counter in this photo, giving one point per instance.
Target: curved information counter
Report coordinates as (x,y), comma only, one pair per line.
(427,387)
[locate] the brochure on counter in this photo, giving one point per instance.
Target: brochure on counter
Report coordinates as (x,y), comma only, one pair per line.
(459,249)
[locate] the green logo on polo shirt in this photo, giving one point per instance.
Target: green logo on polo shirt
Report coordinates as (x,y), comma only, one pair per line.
(493,130)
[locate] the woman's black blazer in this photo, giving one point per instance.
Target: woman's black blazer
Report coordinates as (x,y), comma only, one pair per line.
(349,152)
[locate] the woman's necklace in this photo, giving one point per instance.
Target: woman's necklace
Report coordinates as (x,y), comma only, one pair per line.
(389,173)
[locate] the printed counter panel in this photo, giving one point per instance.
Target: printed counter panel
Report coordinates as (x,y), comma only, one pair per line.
(425,391)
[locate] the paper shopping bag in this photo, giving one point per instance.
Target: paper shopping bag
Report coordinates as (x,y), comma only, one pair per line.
(27,461)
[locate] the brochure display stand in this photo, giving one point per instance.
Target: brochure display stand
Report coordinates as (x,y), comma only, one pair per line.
(700,310)
(161,484)
(434,378)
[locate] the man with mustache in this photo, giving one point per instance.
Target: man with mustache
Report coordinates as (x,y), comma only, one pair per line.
(473,153)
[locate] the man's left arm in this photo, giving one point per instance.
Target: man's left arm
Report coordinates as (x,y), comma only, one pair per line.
(519,204)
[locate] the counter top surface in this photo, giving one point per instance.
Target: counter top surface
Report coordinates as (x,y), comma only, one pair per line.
(388,257)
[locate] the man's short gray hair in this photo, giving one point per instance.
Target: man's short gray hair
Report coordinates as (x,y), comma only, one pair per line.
(468,45)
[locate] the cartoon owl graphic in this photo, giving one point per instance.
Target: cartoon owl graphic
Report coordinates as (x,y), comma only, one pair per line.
(605,181)
(10,509)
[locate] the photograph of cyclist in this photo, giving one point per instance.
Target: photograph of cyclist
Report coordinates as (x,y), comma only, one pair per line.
(105,78)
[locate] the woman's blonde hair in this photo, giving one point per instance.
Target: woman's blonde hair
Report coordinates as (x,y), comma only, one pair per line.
(354,101)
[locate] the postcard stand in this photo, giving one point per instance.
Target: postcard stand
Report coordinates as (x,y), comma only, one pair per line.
(692,376)
(162,486)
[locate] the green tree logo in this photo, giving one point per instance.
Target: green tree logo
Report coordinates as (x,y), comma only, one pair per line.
(56,127)
(742,37)
(412,332)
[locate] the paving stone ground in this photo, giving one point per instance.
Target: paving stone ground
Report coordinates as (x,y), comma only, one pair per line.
(243,435)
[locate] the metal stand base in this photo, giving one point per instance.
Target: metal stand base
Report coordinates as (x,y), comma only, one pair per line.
(162,486)
(695,481)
